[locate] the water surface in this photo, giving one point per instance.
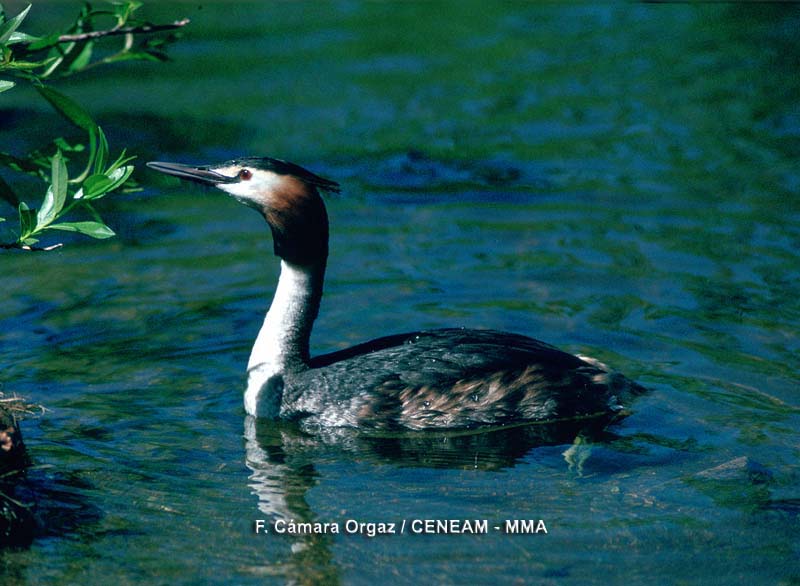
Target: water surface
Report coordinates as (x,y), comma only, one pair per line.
(621,182)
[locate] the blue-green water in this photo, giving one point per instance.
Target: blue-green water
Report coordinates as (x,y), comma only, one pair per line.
(620,181)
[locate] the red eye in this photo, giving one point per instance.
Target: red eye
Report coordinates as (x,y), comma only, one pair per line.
(245,174)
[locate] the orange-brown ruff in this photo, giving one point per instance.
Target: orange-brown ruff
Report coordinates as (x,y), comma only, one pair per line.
(437,379)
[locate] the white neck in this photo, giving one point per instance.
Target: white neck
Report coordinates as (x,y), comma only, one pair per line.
(283,342)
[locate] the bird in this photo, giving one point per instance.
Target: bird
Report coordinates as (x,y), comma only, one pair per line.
(438,379)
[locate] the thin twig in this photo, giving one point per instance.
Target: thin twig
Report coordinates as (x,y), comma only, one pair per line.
(144,29)
(18,246)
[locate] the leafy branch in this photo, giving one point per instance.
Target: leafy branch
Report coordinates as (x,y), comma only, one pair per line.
(36,60)
(97,180)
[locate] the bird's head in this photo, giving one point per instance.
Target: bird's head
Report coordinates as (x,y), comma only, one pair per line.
(284,193)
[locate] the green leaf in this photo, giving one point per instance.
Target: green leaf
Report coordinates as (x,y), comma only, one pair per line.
(95,186)
(98,185)
(119,176)
(82,59)
(8,27)
(19,37)
(45,213)
(19,65)
(135,56)
(93,229)
(101,155)
(75,56)
(58,171)
(65,147)
(44,42)
(27,220)
(123,10)
(67,108)
(56,193)
(121,160)
(6,85)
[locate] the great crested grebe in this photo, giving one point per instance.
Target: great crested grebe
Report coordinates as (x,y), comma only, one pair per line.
(437,379)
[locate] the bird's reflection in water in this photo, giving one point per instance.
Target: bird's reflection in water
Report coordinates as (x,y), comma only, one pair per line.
(282,472)
(282,459)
